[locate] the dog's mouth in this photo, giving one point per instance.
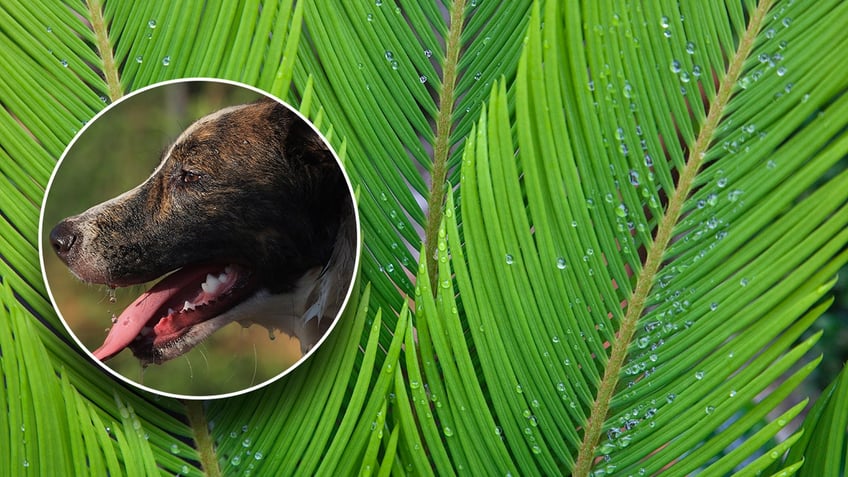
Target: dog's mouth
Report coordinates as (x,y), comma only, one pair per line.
(155,325)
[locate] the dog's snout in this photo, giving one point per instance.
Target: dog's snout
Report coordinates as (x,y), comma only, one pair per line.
(63,237)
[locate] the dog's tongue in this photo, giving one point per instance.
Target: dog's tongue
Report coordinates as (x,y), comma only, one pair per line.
(181,285)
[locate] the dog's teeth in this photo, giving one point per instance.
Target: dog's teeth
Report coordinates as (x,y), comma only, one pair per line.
(188,306)
(222,278)
(211,284)
(171,311)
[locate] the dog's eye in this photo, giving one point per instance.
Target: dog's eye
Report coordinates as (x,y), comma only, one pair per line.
(188,177)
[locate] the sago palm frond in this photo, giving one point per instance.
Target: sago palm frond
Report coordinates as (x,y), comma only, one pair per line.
(594,234)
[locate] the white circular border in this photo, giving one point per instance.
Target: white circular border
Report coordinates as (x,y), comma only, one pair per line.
(303,358)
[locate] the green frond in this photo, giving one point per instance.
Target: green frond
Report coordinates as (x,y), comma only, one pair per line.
(597,236)
(823,448)
(379,71)
(647,232)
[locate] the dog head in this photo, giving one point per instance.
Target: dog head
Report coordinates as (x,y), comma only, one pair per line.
(247,201)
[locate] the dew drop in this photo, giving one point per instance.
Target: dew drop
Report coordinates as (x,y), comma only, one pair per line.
(561,265)
(478,75)
(770,33)
(786,22)
(379,3)
(664,21)
(394,64)
(713,306)
(733,195)
(428,53)
(699,375)
(175,449)
(49,29)
(696,71)
(510,259)
(151,24)
(139,59)
(675,66)
(667,33)
(389,55)
(422,79)
(166,60)
(709,409)
(781,71)
(690,48)
(743,282)
(369,17)
(64,63)
(390,268)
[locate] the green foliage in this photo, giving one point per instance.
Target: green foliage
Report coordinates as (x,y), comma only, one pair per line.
(596,236)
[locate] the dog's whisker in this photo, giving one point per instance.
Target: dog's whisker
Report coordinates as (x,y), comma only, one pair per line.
(188,363)
(255,365)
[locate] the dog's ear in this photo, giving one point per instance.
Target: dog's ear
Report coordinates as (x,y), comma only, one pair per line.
(304,143)
(300,143)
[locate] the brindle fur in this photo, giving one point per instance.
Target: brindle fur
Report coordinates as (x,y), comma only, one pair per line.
(251,184)
(254,185)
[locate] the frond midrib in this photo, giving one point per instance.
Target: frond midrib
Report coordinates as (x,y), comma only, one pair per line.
(656,252)
(104,48)
(442,146)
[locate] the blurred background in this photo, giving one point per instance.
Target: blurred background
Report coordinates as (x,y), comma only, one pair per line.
(116,152)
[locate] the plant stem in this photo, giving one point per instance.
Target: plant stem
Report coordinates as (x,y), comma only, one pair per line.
(441,150)
(104,48)
(636,304)
(202,439)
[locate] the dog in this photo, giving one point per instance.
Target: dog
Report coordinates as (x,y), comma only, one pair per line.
(248,217)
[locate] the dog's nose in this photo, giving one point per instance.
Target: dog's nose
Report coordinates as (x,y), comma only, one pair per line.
(62,238)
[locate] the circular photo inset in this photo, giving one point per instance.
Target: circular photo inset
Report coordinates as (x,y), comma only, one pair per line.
(223,268)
